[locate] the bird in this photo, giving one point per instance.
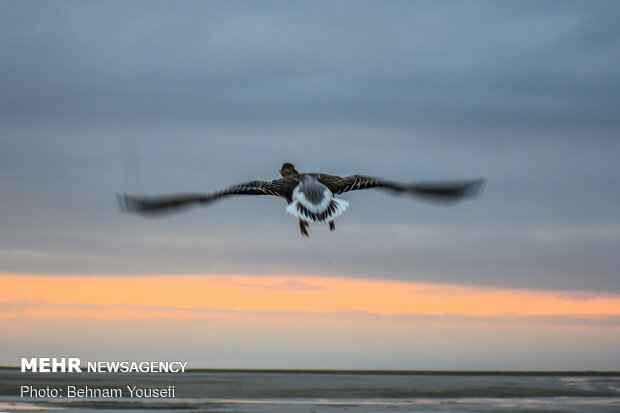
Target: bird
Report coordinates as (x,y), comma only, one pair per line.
(311,197)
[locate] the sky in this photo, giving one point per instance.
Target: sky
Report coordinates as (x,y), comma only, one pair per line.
(106,97)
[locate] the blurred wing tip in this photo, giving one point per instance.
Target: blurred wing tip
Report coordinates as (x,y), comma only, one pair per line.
(448,192)
(126,203)
(121,200)
(474,187)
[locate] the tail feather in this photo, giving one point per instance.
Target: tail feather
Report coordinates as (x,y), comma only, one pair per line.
(335,208)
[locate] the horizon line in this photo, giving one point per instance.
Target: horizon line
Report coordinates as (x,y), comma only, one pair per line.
(377,372)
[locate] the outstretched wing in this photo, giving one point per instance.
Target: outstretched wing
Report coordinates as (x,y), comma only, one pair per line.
(152,205)
(447,191)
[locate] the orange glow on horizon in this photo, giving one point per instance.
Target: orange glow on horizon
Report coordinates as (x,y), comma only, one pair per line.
(157,295)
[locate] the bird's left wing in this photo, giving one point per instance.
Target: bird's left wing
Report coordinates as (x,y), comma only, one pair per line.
(446,191)
(151,205)
(339,185)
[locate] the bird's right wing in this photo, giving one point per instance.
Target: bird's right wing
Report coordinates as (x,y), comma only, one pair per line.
(152,205)
(445,191)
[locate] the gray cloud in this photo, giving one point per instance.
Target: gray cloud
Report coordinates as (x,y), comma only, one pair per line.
(362,62)
(104,97)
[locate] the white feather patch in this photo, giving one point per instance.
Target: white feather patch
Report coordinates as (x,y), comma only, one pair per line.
(333,210)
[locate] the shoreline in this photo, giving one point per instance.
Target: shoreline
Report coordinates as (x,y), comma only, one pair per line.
(386,372)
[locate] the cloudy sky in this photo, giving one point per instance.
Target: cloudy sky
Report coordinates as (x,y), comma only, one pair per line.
(99,98)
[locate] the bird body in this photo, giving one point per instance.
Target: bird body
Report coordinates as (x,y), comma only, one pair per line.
(314,202)
(310,196)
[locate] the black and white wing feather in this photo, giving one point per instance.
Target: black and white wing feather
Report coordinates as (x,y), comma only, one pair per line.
(152,205)
(446,191)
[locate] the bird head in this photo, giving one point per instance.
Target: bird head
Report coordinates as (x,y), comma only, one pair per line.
(288,169)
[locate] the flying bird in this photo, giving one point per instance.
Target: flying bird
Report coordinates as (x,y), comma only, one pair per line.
(310,196)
